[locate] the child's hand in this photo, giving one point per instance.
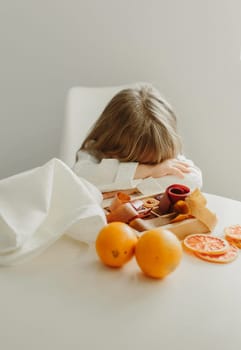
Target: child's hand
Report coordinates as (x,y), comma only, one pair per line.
(168,167)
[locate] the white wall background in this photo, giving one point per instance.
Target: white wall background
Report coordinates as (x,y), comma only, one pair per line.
(189,49)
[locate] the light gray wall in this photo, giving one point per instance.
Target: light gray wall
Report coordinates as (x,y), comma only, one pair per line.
(189,49)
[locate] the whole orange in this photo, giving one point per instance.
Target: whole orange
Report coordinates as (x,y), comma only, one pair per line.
(115,244)
(158,252)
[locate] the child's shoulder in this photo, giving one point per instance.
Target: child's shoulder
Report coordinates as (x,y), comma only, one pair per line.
(183,158)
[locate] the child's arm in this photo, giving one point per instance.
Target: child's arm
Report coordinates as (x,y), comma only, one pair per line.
(111,175)
(168,167)
(180,170)
(107,174)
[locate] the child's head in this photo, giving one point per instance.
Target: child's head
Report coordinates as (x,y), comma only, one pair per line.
(137,125)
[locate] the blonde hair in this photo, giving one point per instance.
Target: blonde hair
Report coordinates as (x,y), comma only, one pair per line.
(137,125)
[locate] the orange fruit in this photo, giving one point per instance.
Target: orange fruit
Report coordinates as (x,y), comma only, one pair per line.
(115,244)
(206,244)
(158,252)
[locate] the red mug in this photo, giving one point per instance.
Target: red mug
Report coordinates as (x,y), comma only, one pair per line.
(177,192)
(164,203)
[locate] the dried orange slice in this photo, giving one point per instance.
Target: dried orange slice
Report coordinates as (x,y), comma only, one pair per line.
(230,255)
(181,217)
(234,242)
(206,244)
(233,232)
(150,202)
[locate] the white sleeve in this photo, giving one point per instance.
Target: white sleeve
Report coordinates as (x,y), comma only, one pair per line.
(106,175)
(193,179)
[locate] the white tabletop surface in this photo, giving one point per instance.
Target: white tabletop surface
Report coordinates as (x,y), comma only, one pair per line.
(65,299)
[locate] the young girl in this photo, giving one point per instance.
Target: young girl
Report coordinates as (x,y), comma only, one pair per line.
(134,143)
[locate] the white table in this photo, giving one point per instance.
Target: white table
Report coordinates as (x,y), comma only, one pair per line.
(65,299)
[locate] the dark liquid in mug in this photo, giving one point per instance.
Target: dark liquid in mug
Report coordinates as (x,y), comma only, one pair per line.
(177,191)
